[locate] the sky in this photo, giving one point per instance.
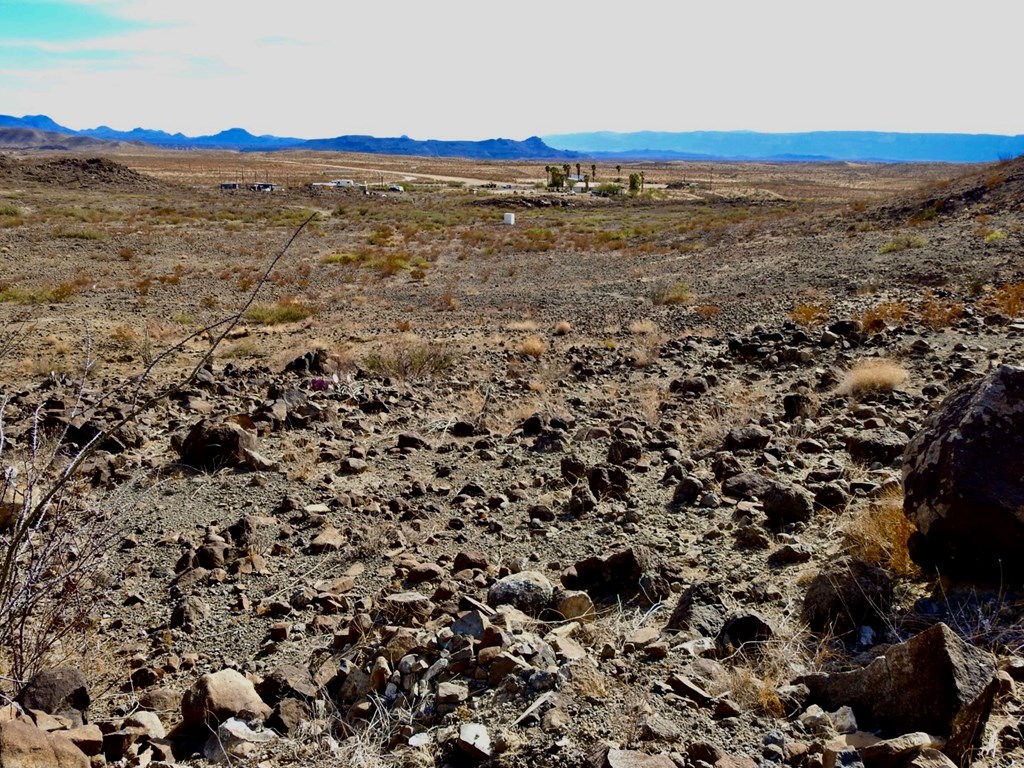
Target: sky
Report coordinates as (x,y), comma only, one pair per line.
(475,69)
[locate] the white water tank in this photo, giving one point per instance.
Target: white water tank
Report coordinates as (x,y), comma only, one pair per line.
(510,219)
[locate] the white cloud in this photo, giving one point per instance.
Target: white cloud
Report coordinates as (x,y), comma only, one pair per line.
(460,69)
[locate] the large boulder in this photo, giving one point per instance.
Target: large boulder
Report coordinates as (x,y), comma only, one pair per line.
(846,594)
(212,445)
(59,691)
(963,480)
(221,695)
(934,682)
(529,591)
(23,745)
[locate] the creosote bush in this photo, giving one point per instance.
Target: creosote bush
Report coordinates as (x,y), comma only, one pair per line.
(411,358)
(671,293)
(284,311)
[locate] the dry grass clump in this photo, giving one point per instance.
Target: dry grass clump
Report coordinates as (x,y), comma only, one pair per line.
(876,318)
(562,328)
(671,293)
(879,534)
(284,311)
(707,311)
(643,327)
(871,376)
(529,324)
(411,358)
(809,315)
(1006,299)
(935,312)
(534,347)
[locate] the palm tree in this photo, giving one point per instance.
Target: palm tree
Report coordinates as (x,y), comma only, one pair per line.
(641,182)
(618,172)
(577,170)
(593,171)
(547,175)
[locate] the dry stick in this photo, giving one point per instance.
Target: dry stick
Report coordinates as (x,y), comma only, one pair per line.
(21,531)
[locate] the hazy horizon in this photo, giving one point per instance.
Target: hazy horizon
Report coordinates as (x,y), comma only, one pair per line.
(461,70)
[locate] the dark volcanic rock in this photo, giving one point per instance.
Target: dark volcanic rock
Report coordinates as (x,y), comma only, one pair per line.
(963,477)
(935,682)
(846,594)
(529,591)
(882,445)
(214,445)
(57,691)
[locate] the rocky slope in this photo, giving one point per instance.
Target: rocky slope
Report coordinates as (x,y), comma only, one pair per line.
(688,558)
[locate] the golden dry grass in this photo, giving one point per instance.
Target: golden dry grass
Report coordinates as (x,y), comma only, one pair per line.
(936,312)
(562,328)
(534,347)
(871,376)
(809,315)
(877,317)
(879,534)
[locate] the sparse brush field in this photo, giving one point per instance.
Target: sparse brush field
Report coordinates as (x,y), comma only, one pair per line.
(478,399)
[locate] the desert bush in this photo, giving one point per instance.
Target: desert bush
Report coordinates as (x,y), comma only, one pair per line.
(284,311)
(51,583)
(562,328)
(872,376)
(1007,299)
(9,209)
(903,243)
(671,293)
(877,317)
(534,346)
(79,234)
(935,312)
(53,294)
(411,358)
(809,315)
(995,236)
(878,535)
(707,311)
(643,327)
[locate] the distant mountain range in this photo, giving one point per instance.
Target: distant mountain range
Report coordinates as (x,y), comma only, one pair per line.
(241,140)
(863,146)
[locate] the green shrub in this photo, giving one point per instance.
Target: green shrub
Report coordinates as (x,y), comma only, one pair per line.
(904,243)
(411,359)
(284,311)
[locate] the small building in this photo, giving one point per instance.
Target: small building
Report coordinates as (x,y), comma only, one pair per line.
(263,186)
(230,185)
